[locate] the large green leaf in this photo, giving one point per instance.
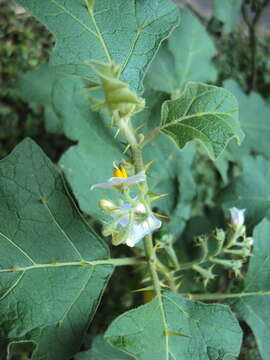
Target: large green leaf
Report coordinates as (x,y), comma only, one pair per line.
(255,309)
(101,350)
(203,112)
(176,328)
(227,12)
(186,56)
(254,116)
(250,190)
(128,32)
(53,267)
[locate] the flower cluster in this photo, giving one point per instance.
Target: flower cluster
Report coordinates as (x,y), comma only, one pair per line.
(131,220)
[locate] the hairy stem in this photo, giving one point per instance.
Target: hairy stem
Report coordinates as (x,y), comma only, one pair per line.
(126,128)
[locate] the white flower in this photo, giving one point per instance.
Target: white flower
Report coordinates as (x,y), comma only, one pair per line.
(237,216)
(116,181)
(138,230)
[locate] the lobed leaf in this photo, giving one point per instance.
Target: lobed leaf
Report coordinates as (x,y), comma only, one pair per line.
(127,32)
(53,267)
(205,113)
(176,328)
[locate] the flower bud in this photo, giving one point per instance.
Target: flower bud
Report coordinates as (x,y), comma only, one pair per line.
(107,205)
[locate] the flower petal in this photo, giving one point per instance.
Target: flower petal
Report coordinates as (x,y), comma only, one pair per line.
(107,184)
(139,230)
(237,216)
(115,181)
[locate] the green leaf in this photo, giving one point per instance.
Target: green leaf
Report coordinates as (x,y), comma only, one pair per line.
(227,11)
(254,115)
(161,75)
(101,350)
(211,331)
(53,267)
(255,309)
(206,113)
(129,33)
(250,190)
(186,56)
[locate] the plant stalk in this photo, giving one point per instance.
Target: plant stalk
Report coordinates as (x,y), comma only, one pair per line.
(125,126)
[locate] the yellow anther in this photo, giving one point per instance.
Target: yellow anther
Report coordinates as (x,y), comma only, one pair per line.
(120,172)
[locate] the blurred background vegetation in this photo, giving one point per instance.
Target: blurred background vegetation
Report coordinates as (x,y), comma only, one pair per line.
(243,55)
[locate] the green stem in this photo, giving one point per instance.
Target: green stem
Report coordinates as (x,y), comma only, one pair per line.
(224,250)
(224,296)
(150,136)
(152,260)
(168,275)
(172,255)
(125,126)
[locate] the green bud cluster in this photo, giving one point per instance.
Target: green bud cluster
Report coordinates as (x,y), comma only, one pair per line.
(229,249)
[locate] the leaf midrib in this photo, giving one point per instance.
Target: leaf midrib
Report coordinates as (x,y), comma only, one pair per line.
(82,263)
(188,117)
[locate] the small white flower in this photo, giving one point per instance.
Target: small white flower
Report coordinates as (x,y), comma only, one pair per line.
(138,230)
(237,216)
(116,181)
